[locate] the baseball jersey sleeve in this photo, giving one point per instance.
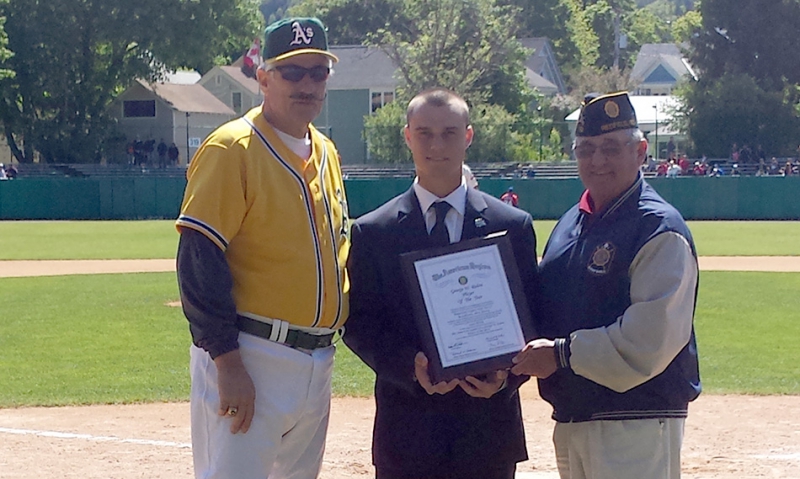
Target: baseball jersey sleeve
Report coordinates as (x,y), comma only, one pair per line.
(653,330)
(214,202)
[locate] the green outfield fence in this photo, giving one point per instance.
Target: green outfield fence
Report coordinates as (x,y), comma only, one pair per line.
(111,198)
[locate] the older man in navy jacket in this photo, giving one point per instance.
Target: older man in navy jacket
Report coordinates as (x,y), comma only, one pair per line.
(619,281)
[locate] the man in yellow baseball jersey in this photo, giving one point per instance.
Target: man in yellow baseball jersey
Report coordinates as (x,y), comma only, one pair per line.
(261,271)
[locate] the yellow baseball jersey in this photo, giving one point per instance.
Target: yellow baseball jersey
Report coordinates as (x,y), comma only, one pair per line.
(281,221)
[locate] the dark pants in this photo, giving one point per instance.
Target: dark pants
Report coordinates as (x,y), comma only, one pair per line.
(493,472)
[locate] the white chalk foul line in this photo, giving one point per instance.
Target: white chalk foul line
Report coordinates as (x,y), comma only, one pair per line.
(779,457)
(89,437)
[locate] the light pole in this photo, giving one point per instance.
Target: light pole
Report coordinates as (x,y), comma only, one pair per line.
(655,107)
(541,134)
(187,138)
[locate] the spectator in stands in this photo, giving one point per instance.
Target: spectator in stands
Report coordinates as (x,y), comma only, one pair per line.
(651,163)
(510,198)
(762,168)
(745,155)
(735,153)
(11,171)
(759,153)
(173,154)
(3,175)
(147,149)
(774,167)
(662,168)
(161,149)
(673,170)
(788,169)
(671,148)
(469,178)
(130,149)
(138,152)
(735,170)
(683,162)
(699,169)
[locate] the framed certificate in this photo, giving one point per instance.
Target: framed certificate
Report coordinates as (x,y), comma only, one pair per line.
(469,305)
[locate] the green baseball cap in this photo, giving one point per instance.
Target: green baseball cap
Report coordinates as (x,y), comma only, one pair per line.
(295,36)
(605,113)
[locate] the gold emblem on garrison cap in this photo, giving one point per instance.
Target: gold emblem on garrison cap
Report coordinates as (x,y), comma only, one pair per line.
(611,108)
(601,258)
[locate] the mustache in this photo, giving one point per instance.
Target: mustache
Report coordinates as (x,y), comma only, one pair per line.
(308,96)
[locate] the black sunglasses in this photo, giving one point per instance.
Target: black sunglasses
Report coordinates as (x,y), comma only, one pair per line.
(295,73)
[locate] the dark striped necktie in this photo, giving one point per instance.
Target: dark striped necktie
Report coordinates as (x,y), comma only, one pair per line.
(439,234)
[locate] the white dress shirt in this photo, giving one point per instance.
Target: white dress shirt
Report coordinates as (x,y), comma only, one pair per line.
(455,216)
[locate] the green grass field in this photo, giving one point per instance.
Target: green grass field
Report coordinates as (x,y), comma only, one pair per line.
(158,239)
(113,339)
(87,239)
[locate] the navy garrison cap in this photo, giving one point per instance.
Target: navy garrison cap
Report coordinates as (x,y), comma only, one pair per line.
(295,36)
(605,113)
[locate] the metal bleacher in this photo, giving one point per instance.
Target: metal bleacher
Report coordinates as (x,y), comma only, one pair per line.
(566,169)
(84,170)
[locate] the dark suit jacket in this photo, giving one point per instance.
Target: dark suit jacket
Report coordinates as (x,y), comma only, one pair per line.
(413,431)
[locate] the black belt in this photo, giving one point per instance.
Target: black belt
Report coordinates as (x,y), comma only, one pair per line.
(294,338)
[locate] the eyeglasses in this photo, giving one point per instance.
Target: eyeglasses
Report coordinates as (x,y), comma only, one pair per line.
(295,73)
(609,150)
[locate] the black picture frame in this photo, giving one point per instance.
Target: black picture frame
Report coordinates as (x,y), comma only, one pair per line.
(421,315)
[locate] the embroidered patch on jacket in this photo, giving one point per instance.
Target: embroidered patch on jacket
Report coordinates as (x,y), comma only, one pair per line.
(601,258)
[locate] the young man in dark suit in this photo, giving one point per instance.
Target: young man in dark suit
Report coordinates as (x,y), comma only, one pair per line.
(469,428)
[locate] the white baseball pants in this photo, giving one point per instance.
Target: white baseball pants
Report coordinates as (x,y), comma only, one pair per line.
(287,437)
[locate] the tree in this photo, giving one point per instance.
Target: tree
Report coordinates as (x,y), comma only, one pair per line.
(716,113)
(383,132)
(466,46)
(583,36)
(687,26)
(642,26)
(72,57)
(756,37)
(495,139)
(5,53)
(350,22)
(546,18)
(602,15)
(592,79)
(748,87)
(274,10)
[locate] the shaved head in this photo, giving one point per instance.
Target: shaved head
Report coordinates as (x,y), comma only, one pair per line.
(438,97)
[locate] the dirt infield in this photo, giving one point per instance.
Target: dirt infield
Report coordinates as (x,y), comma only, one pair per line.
(66,267)
(727,437)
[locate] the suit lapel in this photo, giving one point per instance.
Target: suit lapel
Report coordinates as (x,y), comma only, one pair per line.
(475,222)
(411,223)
